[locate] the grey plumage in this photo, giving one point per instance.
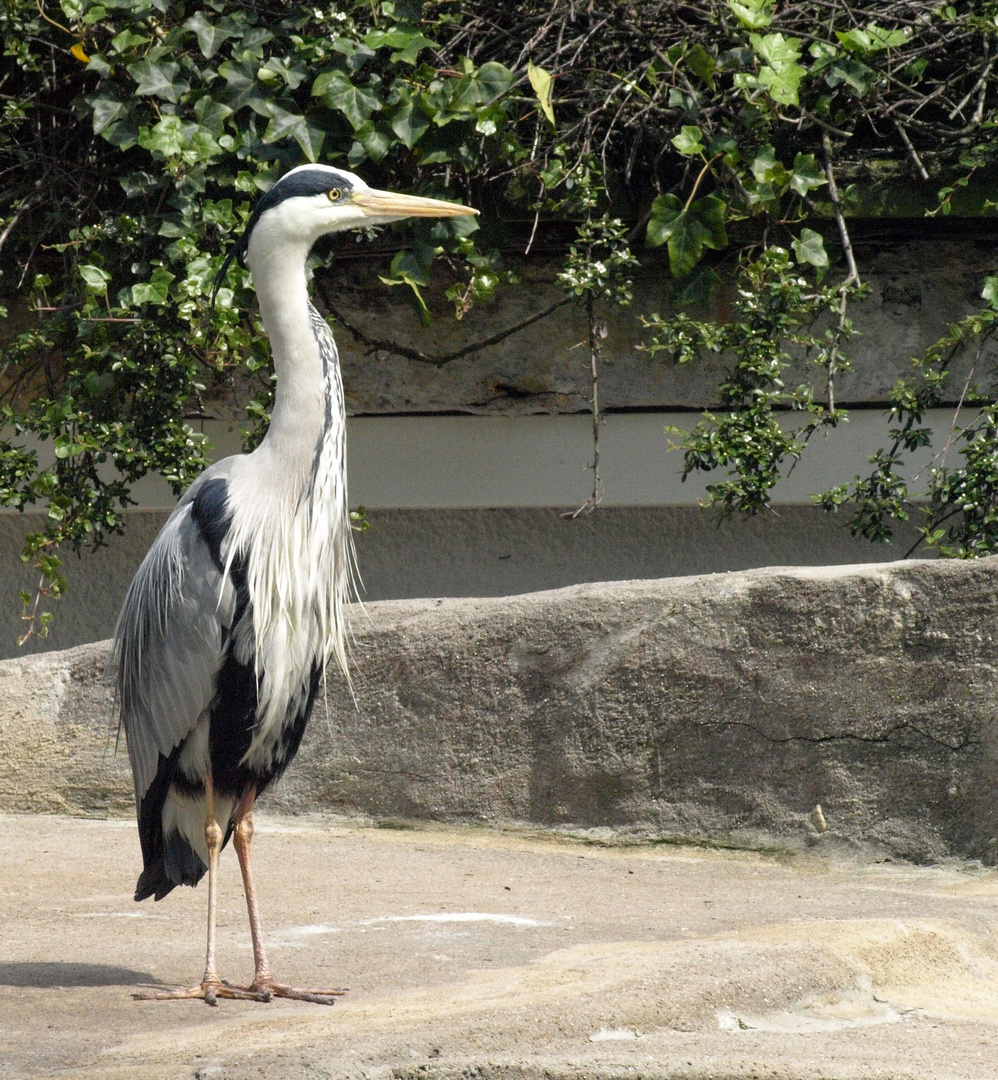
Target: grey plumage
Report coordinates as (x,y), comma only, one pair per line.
(169,639)
(238,609)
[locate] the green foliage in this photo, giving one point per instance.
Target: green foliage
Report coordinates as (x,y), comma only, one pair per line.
(688,229)
(761,424)
(136,135)
(179,120)
(958,510)
(600,263)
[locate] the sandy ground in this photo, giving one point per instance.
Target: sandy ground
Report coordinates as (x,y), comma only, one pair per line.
(476,953)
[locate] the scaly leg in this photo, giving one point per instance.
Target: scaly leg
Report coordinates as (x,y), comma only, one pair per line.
(211,987)
(263,981)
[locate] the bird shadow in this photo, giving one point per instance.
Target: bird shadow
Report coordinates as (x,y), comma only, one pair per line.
(55,974)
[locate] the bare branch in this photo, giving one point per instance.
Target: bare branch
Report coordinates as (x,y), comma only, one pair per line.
(385,345)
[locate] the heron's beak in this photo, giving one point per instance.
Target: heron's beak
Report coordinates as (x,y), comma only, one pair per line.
(378,204)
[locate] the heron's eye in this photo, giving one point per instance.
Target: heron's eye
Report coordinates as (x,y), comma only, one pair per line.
(334,194)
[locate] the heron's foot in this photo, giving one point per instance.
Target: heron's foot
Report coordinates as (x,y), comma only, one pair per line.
(265,984)
(208,990)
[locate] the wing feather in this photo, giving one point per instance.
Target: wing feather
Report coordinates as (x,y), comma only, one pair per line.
(169,642)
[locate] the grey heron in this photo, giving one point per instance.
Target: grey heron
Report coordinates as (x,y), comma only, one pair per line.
(238,607)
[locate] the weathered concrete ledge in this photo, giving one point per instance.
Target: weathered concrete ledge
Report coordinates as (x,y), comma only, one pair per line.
(721,709)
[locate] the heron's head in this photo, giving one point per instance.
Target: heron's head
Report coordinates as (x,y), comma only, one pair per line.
(313,200)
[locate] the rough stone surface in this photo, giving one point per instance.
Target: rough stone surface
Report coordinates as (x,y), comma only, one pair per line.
(920,280)
(497,955)
(718,709)
(471,552)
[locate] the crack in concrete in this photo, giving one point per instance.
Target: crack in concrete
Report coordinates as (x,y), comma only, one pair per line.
(955,747)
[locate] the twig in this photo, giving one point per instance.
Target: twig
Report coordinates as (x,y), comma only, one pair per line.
(981,82)
(385,345)
(911,149)
(852,279)
(595,329)
(840,220)
(700,176)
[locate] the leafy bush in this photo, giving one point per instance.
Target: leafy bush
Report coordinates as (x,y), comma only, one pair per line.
(137,134)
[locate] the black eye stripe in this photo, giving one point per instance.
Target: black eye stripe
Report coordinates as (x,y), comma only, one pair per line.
(308,182)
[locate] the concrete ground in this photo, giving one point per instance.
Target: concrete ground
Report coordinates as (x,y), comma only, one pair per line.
(497,953)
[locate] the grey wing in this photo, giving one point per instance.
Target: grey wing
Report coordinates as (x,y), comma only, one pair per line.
(169,642)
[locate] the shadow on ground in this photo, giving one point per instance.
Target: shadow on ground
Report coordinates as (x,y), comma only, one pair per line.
(52,973)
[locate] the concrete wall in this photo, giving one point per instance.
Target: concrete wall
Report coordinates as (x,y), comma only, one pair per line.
(485,552)
(720,709)
(468,504)
(922,275)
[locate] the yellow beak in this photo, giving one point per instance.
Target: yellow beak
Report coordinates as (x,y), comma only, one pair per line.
(376,203)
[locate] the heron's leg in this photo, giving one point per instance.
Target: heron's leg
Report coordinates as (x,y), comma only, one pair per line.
(211,987)
(263,981)
(213,838)
(242,836)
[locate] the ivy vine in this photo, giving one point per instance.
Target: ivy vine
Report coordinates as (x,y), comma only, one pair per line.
(739,137)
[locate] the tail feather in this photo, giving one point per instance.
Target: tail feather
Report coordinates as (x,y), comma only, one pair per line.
(153,882)
(177,863)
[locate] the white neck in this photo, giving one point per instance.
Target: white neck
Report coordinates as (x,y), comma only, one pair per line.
(291,514)
(300,405)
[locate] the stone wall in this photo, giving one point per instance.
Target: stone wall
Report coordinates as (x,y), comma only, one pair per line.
(922,275)
(719,709)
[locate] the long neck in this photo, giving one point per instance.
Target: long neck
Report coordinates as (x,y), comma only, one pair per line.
(300,403)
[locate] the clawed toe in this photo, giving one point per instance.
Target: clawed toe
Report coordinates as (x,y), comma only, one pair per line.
(317,997)
(262,990)
(208,991)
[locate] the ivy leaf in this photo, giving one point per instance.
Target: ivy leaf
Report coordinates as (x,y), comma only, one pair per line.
(158,79)
(94,277)
(406,270)
(824,54)
(176,138)
(702,64)
(990,291)
(781,75)
(310,138)
(806,174)
(540,80)
(810,248)
(99,65)
(210,35)
(284,124)
(409,124)
(689,141)
(410,54)
(292,76)
(767,169)
(466,96)
(124,41)
(753,13)
(494,79)
(154,291)
(407,43)
(852,72)
(687,230)
(212,114)
(242,87)
(776,49)
(783,82)
(106,112)
(338,92)
(873,39)
(375,141)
